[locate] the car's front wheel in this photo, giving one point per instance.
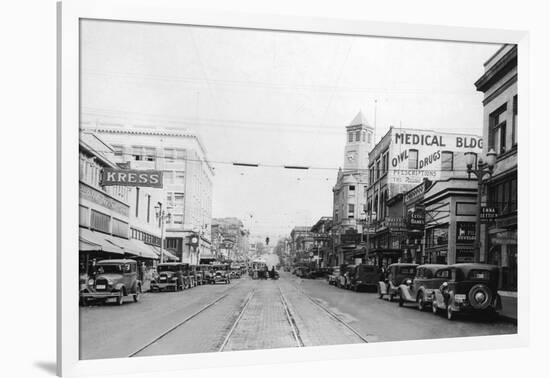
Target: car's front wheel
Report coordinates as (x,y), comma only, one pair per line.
(420,303)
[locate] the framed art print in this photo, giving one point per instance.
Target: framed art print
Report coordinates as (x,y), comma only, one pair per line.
(241,189)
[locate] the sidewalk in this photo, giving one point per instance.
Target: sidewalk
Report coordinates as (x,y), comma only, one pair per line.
(509,301)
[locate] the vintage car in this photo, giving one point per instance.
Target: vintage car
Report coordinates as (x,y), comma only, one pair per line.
(116,279)
(468,288)
(420,289)
(220,276)
(333,275)
(172,276)
(364,276)
(198,275)
(396,274)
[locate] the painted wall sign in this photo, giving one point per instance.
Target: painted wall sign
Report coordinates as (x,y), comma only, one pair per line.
(416,155)
(131,177)
(102,199)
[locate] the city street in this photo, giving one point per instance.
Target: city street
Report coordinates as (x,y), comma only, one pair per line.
(259,314)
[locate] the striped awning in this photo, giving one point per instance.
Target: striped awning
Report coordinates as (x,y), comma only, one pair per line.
(96,241)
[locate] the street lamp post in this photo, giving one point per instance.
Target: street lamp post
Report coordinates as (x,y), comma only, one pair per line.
(162,216)
(479,169)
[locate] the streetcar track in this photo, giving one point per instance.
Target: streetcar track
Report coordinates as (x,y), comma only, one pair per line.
(241,313)
(290,319)
(187,319)
(332,314)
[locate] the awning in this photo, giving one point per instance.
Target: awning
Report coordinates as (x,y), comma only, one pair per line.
(96,241)
(167,254)
(133,247)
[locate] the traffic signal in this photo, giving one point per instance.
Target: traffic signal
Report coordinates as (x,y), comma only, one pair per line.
(267,241)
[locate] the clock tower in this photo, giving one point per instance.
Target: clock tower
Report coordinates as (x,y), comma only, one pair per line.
(359,142)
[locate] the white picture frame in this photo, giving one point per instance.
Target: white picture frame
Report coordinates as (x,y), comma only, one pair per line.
(172,11)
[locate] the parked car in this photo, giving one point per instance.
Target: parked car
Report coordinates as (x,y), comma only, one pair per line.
(198,275)
(220,276)
(171,276)
(467,288)
(117,278)
(364,276)
(396,275)
(420,289)
(333,275)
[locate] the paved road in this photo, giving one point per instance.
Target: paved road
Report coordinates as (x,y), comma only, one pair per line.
(259,314)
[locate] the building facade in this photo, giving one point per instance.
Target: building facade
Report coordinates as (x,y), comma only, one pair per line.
(187,178)
(231,239)
(500,125)
(322,243)
(107,218)
(349,191)
(405,159)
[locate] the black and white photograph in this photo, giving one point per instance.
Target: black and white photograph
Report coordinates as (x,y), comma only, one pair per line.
(245,189)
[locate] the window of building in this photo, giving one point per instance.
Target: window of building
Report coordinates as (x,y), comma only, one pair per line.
(352,188)
(437,236)
(497,130)
(177,218)
(369,135)
(120,228)
(375,207)
(413,159)
(178,199)
(371,174)
(385,162)
(83,219)
(144,153)
(363,135)
(358,136)
(377,169)
(503,196)
(100,222)
(351,210)
(515,122)
(118,150)
(447,161)
(350,137)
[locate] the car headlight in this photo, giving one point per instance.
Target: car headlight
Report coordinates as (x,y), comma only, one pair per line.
(109,282)
(174,278)
(408,282)
(91,282)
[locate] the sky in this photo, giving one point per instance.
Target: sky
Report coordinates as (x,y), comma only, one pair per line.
(276,98)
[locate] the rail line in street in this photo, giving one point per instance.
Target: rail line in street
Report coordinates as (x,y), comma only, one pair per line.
(333,315)
(184,321)
(290,319)
(236,322)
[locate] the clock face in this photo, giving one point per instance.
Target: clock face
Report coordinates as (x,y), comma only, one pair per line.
(351,156)
(194,240)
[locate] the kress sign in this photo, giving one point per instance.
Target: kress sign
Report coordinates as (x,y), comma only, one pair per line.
(129,177)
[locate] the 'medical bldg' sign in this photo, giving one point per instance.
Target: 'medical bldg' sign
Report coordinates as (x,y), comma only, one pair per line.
(415,155)
(131,177)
